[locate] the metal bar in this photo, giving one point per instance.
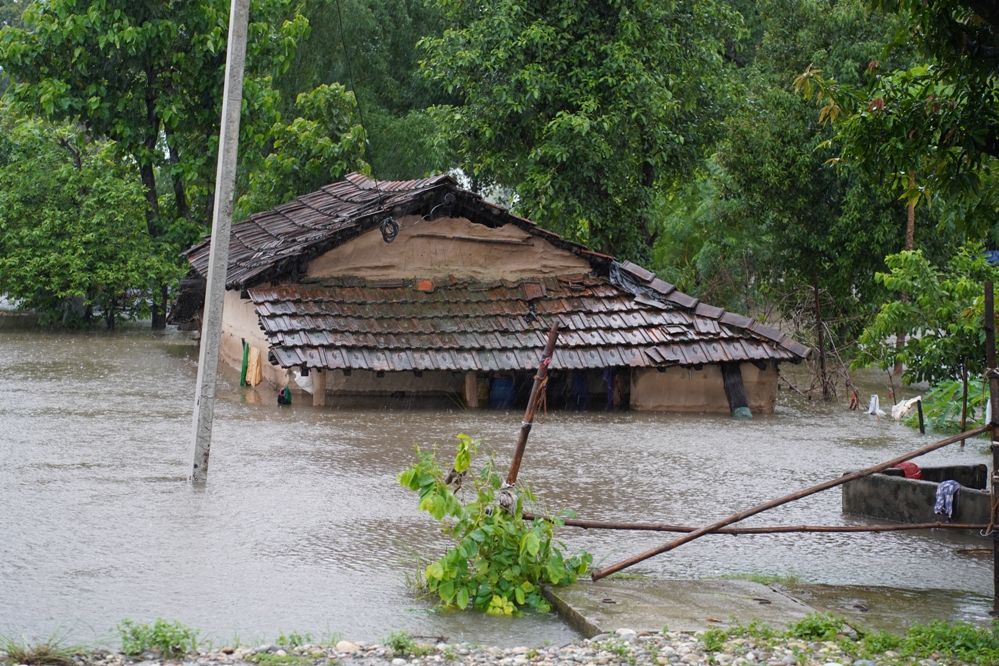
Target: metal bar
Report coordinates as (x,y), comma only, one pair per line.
(832,483)
(922,425)
(990,361)
(525,427)
(218,262)
(772,529)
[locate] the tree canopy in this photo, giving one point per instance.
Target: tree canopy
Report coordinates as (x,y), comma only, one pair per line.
(582,109)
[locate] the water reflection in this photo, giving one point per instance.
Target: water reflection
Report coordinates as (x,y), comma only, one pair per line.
(303,527)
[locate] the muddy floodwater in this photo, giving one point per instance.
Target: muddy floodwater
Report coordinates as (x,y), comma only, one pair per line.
(302,526)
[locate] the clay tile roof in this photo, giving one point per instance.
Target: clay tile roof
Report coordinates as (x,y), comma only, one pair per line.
(618,315)
(280,241)
(498,326)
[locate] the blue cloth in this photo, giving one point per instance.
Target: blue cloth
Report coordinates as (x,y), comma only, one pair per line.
(945,499)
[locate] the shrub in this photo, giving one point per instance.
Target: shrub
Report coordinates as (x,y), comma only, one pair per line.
(816,627)
(498,561)
(49,652)
(169,639)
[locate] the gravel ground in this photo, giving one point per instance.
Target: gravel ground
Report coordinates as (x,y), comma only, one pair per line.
(625,648)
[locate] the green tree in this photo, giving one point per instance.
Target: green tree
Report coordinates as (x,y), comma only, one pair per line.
(772,218)
(314,149)
(582,109)
(369,46)
(73,241)
(149,76)
(943,317)
(932,128)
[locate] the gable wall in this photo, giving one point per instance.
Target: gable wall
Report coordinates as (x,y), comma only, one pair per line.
(448,246)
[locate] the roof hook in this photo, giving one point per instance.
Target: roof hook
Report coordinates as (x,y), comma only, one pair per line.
(390,229)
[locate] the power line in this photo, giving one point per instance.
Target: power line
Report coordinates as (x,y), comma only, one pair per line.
(350,73)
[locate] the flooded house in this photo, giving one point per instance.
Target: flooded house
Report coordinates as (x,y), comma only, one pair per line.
(421,288)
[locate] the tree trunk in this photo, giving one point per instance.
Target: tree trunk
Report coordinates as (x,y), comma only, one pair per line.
(160,309)
(910,231)
(823,378)
(179,191)
(210,208)
(148,176)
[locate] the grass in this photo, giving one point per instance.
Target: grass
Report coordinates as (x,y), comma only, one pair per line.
(938,640)
(49,652)
(402,642)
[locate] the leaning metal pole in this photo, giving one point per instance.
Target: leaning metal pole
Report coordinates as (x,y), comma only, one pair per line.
(225,185)
(990,362)
(742,515)
(532,403)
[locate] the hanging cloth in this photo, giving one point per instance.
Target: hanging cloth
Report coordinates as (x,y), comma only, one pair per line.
(254,370)
(946,492)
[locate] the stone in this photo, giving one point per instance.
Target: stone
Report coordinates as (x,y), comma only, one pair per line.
(281,653)
(891,654)
(626,632)
(790,659)
(690,659)
(600,637)
(347,646)
(228,650)
(399,662)
(724,659)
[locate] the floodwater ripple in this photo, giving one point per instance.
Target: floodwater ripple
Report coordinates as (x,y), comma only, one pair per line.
(303,527)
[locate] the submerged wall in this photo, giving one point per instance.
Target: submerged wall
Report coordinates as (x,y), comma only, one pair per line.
(240,322)
(679,389)
(448,246)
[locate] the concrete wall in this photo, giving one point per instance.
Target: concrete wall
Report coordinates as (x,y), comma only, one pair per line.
(910,501)
(687,390)
(448,246)
(240,322)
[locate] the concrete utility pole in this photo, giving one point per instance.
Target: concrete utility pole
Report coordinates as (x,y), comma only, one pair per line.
(225,185)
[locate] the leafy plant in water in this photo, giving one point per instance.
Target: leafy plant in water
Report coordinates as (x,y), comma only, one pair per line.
(498,561)
(942,405)
(169,639)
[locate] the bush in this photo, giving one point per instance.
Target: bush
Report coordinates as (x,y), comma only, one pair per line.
(499,561)
(816,627)
(169,639)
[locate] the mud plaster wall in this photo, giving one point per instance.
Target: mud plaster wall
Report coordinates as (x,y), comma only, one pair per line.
(240,322)
(448,246)
(688,390)
(366,382)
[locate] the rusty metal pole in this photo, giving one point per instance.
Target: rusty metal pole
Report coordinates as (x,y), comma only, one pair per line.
(990,361)
(525,426)
(760,508)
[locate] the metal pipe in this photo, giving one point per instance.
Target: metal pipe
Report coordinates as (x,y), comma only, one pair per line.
(742,515)
(525,426)
(772,529)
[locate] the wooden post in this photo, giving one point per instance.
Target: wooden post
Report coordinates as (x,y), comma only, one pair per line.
(532,403)
(990,362)
(472,389)
(218,261)
(318,387)
(922,425)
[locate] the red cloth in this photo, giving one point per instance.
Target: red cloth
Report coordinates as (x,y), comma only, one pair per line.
(910,469)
